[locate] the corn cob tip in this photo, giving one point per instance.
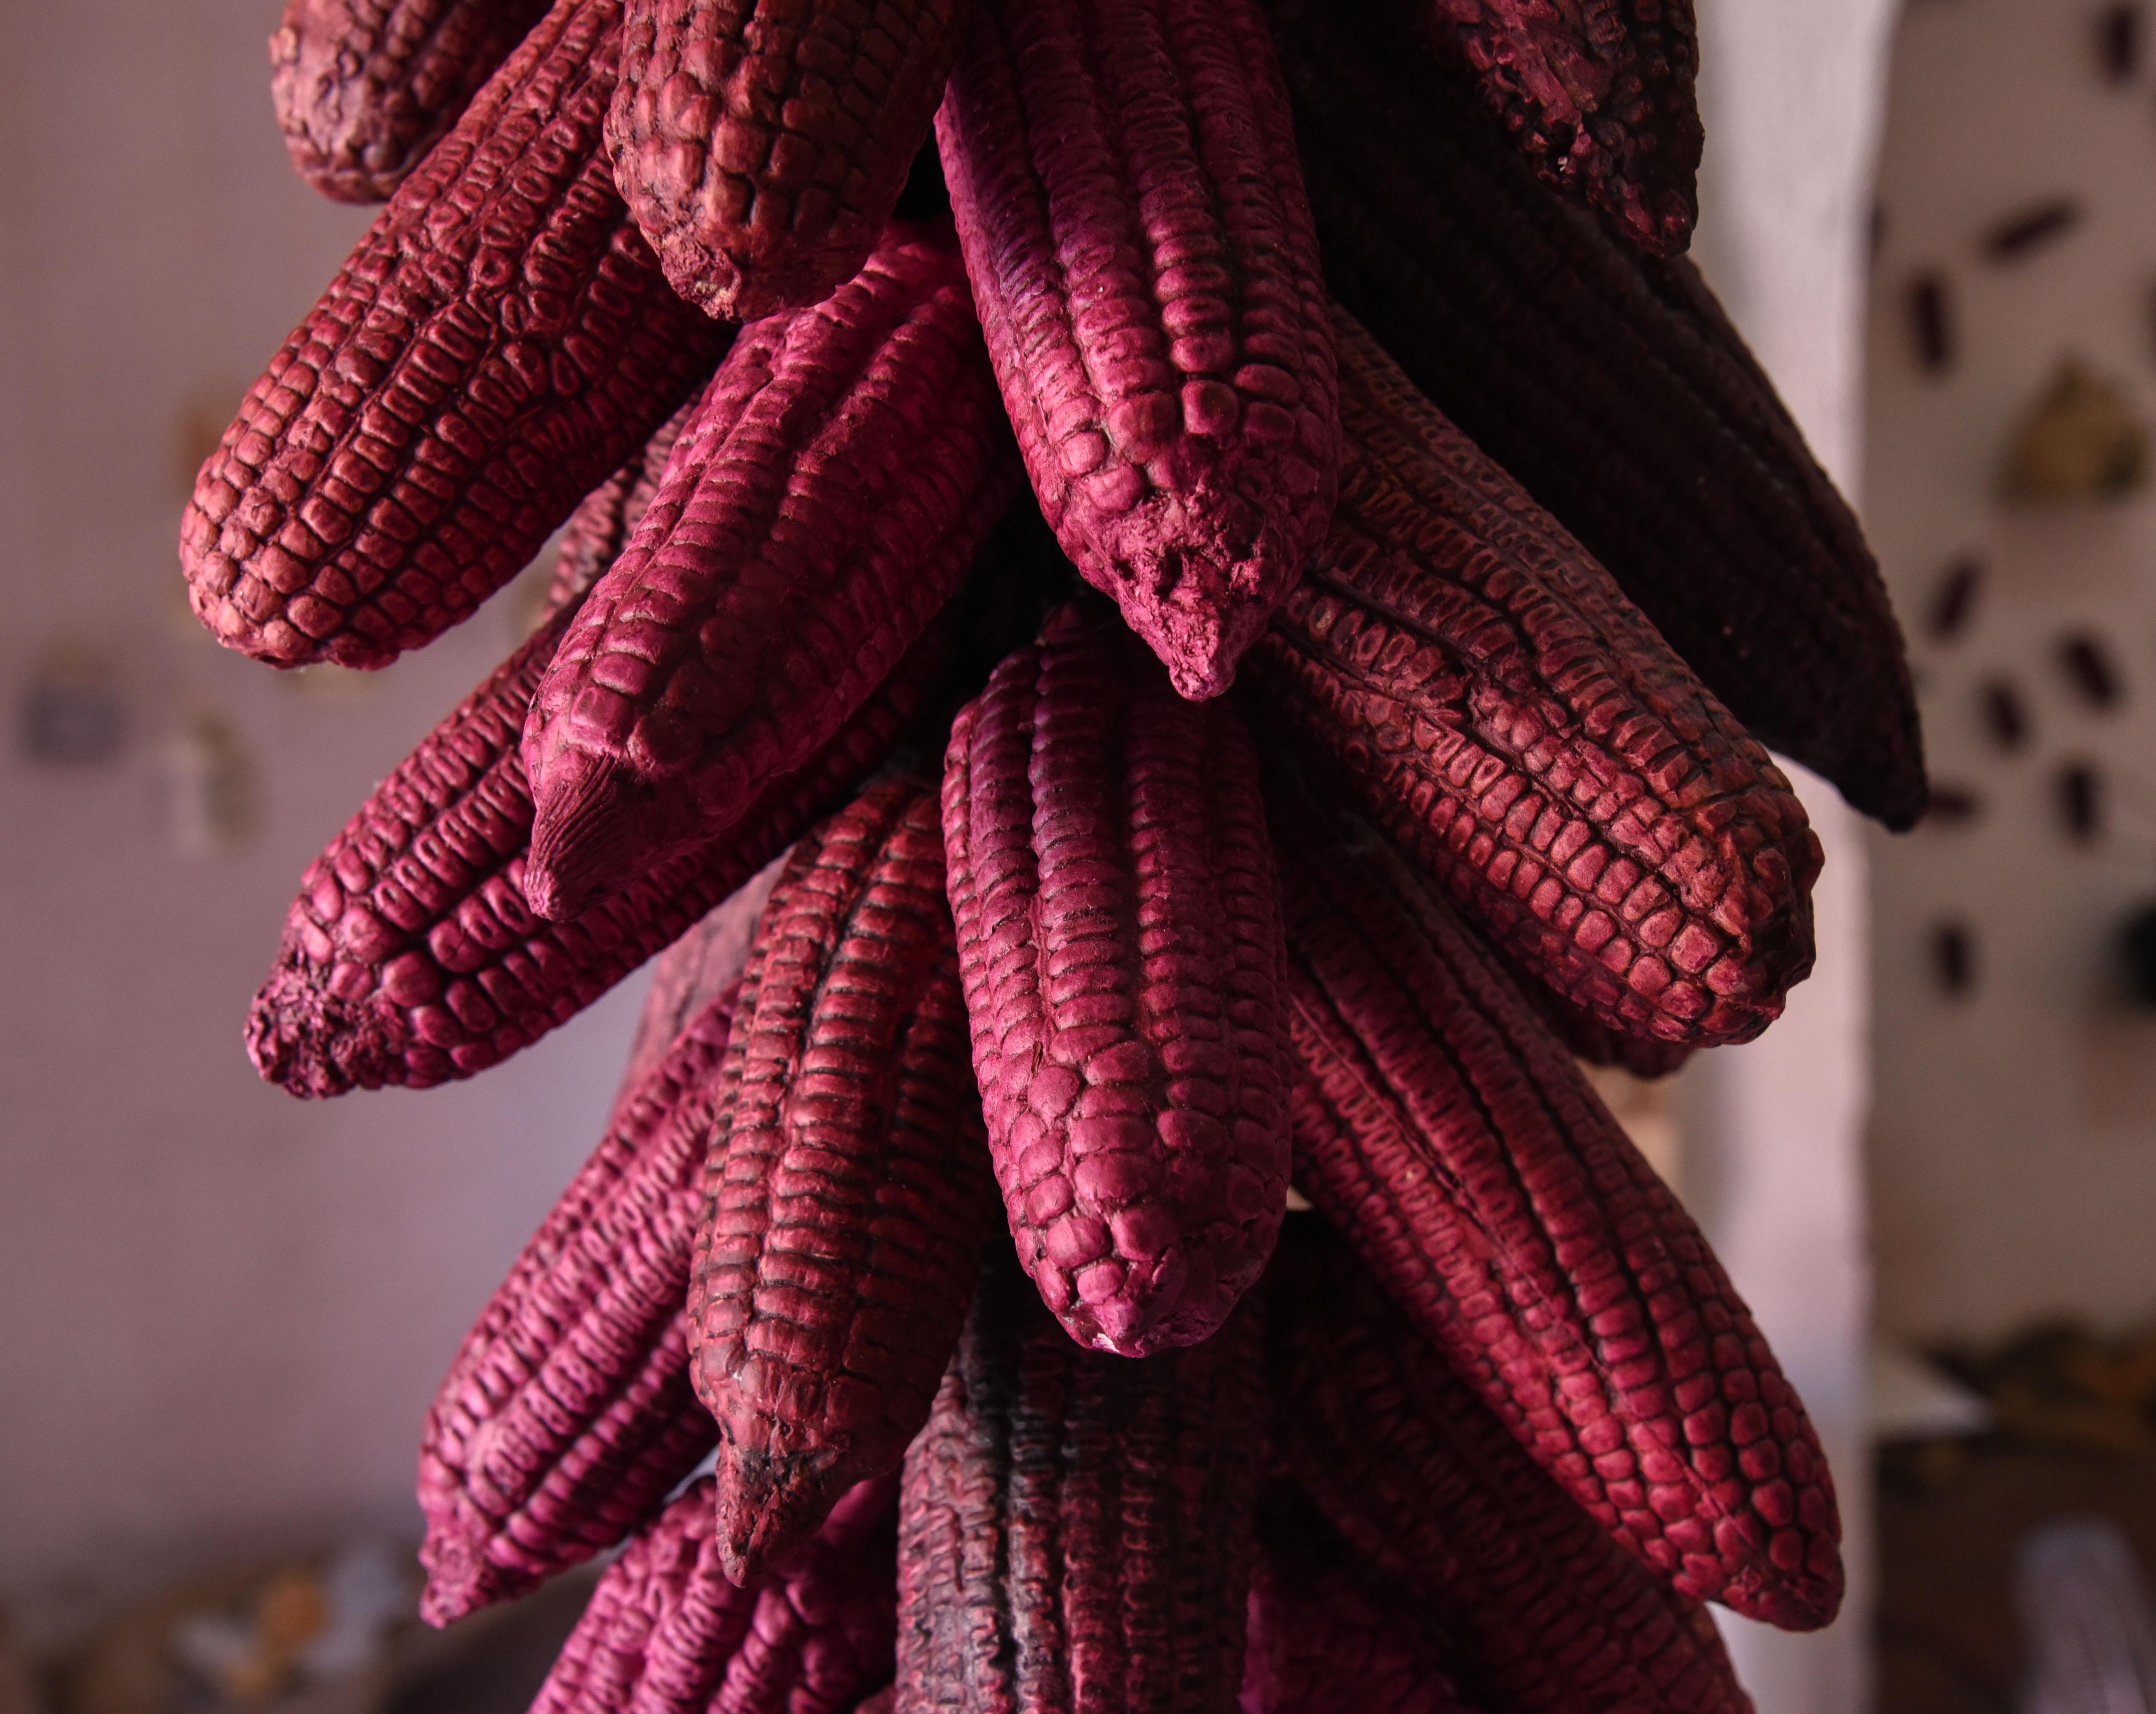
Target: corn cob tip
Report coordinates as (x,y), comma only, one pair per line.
(459,1581)
(299,1039)
(770,1505)
(582,829)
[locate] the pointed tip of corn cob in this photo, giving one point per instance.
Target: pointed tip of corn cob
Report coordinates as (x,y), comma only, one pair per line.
(587,835)
(301,1039)
(772,1503)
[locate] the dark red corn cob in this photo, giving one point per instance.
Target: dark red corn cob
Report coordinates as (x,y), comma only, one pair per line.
(848,1193)
(1327,1636)
(410,957)
(364,88)
(1075,1528)
(1119,936)
(666,1633)
(1124,179)
(843,469)
(1600,96)
(1445,1129)
(762,144)
(1613,388)
(600,527)
(1476,685)
(500,342)
(1545,1612)
(568,1414)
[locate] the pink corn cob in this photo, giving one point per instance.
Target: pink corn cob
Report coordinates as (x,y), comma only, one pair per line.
(568,1414)
(762,144)
(1543,1612)
(1119,936)
(1124,177)
(1481,689)
(410,957)
(666,1633)
(600,527)
(848,1193)
(364,88)
(1441,1126)
(843,469)
(501,340)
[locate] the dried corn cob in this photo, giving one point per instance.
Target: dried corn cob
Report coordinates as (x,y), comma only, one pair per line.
(762,144)
(1074,1529)
(1123,176)
(1324,1640)
(1442,1125)
(501,340)
(1599,97)
(568,1414)
(600,527)
(1119,937)
(848,1193)
(409,956)
(364,88)
(666,1633)
(1481,689)
(1545,1612)
(1615,390)
(843,469)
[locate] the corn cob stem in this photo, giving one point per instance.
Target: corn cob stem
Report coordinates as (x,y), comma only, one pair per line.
(848,1193)
(1123,177)
(762,144)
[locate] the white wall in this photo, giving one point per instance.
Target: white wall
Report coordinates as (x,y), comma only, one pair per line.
(224,1310)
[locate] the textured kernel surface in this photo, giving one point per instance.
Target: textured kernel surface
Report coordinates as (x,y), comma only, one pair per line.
(1119,937)
(843,469)
(1124,178)
(1445,1129)
(666,1633)
(1545,1613)
(501,340)
(1075,1527)
(849,1196)
(762,144)
(1612,386)
(364,88)
(1476,683)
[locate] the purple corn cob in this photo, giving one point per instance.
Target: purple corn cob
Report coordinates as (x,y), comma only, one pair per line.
(847,1194)
(1124,178)
(600,527)
(1545,1614)
(1598,96)
(1075,1528)
(1444,1128)
(844,467)
(364,88)
(410,957)
(501,340)
(762,144)
(568,1414)
(1481,689)
(1119,937)
(666,1633)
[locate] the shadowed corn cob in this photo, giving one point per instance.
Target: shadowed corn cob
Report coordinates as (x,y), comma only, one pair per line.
(844,467)
(1588,1037)
(762,144)
(1545,1611)
(410,957)
(568,1414)
(1600,96)
(364,88)
(1446,1130)
(1326,1637)
(1124,180)
(500,342)
(666,1633)
(847,1194)
(600,527)
(1075,1528)
(1119,936)
(1612,387)
(1475,683)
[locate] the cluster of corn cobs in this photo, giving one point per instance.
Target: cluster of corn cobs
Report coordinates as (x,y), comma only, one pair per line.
(1250,600)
